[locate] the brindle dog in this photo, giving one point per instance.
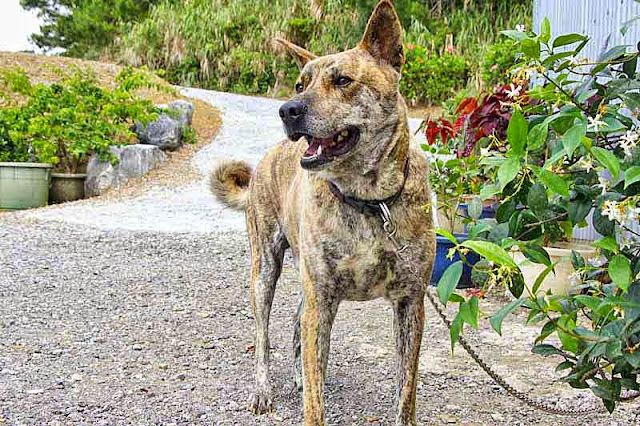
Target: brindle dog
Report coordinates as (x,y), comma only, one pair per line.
(349,139)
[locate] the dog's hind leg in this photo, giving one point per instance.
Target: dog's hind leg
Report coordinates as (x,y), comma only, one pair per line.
(297,348)
(408,327)
(268,245)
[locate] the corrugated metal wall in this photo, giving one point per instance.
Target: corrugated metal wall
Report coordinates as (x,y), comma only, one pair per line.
(596,18)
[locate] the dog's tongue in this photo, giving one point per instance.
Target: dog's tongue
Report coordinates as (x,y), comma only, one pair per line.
(314,145)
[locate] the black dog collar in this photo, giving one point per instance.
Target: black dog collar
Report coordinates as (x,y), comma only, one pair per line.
(370,207)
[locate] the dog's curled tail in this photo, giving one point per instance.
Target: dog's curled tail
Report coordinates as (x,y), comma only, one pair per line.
(229,183)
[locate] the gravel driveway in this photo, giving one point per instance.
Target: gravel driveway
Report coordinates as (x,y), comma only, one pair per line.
(135,311)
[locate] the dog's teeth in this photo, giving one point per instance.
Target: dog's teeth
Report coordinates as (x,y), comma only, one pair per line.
(319,150)
(339,138)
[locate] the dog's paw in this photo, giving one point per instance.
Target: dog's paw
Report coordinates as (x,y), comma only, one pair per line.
(260,403)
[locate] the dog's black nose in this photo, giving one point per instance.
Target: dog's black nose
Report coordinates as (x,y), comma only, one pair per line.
(292,111)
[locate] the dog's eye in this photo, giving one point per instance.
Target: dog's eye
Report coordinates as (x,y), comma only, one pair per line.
(299,87)
(342,81)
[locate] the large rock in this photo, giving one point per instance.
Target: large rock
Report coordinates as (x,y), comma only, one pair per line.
(134,161)
(182,111)
(165,133)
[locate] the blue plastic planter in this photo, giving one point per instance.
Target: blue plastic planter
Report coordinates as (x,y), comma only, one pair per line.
(442,262)
(488,212)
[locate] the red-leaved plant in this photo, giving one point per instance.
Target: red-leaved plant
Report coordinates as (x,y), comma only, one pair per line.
(477,118)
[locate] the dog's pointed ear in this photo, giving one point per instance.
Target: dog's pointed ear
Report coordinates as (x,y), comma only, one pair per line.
(299,54)
(383,36)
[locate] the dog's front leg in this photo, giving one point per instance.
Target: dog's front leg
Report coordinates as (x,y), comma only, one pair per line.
(408,328)
(318,313)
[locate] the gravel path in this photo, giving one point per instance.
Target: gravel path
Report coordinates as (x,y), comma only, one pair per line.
(251,126)
(118,327)
(136,312)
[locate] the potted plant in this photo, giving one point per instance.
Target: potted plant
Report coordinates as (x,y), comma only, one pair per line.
(452,181)
(572,148)
(24,182)
(64,123)
(457,177)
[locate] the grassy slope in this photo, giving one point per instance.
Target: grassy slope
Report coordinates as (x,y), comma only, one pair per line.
(176,171)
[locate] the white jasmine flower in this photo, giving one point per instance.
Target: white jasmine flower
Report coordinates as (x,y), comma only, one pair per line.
(513,91)
(585,163)
(521,27)
(597,262)
(595,123)
(614,211)
(628,142)
(604,184)
(575,279)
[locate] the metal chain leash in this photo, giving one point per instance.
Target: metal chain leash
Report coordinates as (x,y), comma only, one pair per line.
(390,228)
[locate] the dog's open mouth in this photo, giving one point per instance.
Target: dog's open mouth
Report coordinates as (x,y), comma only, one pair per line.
(323,150)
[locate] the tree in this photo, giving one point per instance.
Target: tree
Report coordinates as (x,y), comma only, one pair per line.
(84,28)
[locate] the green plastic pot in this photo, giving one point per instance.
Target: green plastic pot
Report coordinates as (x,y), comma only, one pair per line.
(66,187)
(24,185)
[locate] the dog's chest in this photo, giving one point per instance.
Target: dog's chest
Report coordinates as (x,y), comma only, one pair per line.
(362,265)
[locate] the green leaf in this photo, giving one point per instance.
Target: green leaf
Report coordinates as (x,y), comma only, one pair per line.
(612,125)
(454,331)
(536,254)
(547,350)
(488,191)
(516,284)
(449,281)
(608,243)
(613,54)
(537,199)
(579,209)
(553,182)
(456,298)
(515,35)
(505,210)
(545,30)
(569,342)
(584,96)
(631,176)
(448,235)
(508,171)
(517,132)
(537,137)
(627,24)
(498,317)
(572,138)
(548,329)
(474,208)
(563,40)
(551,59)
(531,48)
(491,252)
(541,277)
(603,224)
(499,234)
(564,365)
(590,302)
(620,271)
(629,67)
(469,312)
(608,160)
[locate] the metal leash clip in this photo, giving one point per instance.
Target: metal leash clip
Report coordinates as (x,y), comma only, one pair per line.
(390,228)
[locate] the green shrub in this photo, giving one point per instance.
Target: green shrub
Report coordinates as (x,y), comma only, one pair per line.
(217,44)
(430,78)
(496,63)
(64,123)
